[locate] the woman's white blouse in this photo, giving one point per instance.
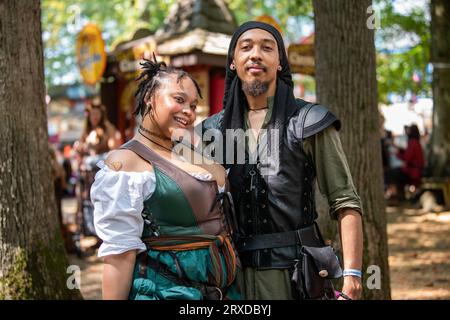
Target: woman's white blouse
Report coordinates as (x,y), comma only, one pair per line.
(118,199)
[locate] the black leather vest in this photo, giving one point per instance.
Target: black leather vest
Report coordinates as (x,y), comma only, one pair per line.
(283,200)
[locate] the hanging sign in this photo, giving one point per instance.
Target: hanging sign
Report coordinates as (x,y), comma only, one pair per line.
(91,56)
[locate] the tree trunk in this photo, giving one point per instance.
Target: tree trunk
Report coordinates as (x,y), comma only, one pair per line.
(440,57)
(33,262)
(346,83)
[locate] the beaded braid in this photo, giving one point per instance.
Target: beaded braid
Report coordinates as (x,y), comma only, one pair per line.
(152,73)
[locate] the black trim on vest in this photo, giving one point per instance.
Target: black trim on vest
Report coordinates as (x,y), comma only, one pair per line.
(316,118)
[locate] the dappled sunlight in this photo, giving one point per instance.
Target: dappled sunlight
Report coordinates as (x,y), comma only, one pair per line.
(419,253)
(414,294)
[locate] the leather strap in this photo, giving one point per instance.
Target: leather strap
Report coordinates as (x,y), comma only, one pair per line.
(307,107)
(304,236)
(208,292)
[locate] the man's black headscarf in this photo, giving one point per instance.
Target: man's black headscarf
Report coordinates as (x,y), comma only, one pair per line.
(234,99)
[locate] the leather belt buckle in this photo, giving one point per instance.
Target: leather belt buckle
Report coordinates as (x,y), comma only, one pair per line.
(299,236)
(213,293)
(220,293)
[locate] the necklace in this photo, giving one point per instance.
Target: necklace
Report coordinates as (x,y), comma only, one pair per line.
(153,133)
(258,109)
(162,146)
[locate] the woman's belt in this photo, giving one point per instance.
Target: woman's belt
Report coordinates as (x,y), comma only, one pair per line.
(216,245)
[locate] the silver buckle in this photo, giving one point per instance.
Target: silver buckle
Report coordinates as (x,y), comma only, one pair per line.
(220,293)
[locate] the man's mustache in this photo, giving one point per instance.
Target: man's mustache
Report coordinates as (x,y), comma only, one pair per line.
(257,65)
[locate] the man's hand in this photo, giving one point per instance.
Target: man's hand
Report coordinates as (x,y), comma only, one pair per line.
(352,288)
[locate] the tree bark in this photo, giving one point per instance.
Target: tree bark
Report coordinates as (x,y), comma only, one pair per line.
(440,57)
(33,262)
(346,83)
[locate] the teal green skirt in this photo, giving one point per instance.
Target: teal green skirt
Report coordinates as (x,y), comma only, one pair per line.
(197,266)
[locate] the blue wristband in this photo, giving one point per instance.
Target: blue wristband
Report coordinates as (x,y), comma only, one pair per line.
(352,272)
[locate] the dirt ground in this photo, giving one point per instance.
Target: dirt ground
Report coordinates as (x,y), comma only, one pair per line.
(91,267)
(91,274)
(419,255)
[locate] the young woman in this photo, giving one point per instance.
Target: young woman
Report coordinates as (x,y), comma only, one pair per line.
(99,135)
(410,173)
(98,138)
(165,222)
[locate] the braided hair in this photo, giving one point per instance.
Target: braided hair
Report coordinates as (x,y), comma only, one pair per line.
(150,81)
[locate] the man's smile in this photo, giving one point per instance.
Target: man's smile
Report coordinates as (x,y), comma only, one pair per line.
(256,69)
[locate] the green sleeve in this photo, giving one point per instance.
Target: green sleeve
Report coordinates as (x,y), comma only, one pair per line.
(333,174)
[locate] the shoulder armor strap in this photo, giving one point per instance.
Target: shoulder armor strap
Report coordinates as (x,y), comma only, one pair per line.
(212,122)
(314,118)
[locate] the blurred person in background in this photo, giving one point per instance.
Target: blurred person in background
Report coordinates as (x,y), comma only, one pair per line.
(411,170)
(60,185)
(59,181)
(98,138)
(386,141)
(99,135)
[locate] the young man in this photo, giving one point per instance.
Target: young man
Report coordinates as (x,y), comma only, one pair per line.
(274,195)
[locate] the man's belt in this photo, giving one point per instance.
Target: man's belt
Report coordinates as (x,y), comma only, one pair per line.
(304,236)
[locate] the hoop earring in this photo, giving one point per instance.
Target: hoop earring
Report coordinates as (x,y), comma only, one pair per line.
(280,68)
(232,66)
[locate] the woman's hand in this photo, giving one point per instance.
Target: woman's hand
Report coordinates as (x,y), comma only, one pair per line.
(93,137)
(352,288)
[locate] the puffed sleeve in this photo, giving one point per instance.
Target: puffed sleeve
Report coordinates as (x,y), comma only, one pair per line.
(118,199)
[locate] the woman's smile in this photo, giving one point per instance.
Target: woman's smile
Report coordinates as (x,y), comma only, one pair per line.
(183,122)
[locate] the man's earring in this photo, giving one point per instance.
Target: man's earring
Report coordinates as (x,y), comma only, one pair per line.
(279,68)
(232,66)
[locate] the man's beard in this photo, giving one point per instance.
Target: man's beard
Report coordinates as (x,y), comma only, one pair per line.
(255,88)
